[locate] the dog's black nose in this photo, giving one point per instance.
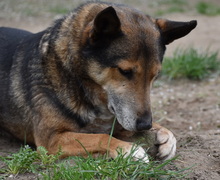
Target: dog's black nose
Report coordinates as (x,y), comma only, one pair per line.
(144,122)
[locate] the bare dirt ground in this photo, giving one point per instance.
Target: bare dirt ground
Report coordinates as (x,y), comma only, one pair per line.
(190,109)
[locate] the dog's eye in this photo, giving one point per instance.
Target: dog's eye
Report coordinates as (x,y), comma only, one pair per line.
(128,73)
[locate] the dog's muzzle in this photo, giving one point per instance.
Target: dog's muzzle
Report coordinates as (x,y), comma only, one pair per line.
(144,122)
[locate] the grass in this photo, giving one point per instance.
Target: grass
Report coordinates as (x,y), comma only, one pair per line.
(60,10)
(20,162)
(168,6)
(190,64)
(172,9)
(49,167)
(207,8)
(10,9)
(28,160)
(119,168)
(162,7)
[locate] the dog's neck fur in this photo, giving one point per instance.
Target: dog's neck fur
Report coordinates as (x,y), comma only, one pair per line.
(87,102)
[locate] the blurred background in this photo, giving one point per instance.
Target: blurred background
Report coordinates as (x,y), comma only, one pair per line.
(186,98)
(35,15)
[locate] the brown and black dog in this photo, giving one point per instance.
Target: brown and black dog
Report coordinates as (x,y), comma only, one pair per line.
(63,86)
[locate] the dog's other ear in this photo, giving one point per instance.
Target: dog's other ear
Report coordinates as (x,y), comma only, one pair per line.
(172,30)
(106,24)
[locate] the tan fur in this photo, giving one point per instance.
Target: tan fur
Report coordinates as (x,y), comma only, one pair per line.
(66,84)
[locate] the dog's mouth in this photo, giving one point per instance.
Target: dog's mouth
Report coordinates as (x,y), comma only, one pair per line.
(111,109)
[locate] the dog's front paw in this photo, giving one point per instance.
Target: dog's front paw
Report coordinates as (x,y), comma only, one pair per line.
(167,144)
(137,152)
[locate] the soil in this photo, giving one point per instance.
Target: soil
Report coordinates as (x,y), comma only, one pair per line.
(190,109)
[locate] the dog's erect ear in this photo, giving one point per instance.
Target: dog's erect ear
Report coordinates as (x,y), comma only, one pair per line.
(172,30)
(106,24)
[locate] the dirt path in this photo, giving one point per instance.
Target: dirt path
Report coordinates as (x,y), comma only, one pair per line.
(190,109)
(192,112)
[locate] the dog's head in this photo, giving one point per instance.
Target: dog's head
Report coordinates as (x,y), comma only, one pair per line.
(125,49)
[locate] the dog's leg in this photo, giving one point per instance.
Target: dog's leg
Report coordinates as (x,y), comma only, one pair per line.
(73,144)
(166,142)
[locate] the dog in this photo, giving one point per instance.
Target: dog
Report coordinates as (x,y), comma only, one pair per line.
(62,87)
